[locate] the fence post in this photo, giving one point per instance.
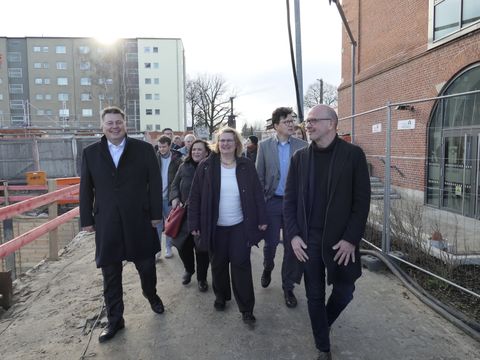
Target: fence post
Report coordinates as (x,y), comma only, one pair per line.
(387,183)
(7,236)
(52,214)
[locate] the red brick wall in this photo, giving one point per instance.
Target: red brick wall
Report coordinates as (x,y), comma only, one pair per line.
(395,65)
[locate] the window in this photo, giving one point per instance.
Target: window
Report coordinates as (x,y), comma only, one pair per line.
(85,65)
(46,81)
(37,65)
(148,96)
(16,88)
(38,81)
(17,119)
(16,104)
(83,49)
(156,81)
(62,97)
(48,96)
(146,49)
(48,112)
(60,49)
(157,127)
(37,49)
(156,65)
(62,81)
(15,73)
(451,16)
(155,49)
(132,72)
(14,57)
(40,112)
(85,97)
(63,112)
(87,112)
(157,111)
(61,65)
(45,49)
(156,96)
(148,112)
(149,127)
(148,65)
(85,81)
(131,57)
(148,81)
(1,97)
(39,97)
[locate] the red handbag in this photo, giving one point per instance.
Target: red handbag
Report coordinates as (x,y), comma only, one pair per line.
(174,221)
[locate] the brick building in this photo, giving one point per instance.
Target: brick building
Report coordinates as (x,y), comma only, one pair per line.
(411,50)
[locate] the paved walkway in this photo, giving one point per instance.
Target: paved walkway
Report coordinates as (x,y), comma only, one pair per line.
(54,301)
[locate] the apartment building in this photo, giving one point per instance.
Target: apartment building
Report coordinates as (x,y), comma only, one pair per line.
(64,83)
(410,50)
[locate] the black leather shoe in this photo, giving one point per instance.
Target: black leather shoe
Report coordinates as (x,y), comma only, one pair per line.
(157,305)
(324,355)
(110,331)
(266,278)
(290,299)
(187,277)
(219,305)
(248,317)
(203,285)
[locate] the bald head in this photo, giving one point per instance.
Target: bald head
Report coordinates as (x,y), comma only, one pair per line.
(323,111)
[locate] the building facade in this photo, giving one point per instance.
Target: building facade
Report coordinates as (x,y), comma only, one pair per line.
(411,50)
(64,83)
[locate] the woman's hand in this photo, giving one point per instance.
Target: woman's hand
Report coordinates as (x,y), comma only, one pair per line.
(196,232)
(262,227)
(176,202)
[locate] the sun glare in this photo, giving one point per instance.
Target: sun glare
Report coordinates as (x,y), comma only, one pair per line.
(106,39)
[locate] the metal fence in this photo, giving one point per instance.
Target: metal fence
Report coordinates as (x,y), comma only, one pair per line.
(425,155)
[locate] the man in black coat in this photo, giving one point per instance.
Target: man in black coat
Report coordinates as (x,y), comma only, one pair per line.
(326,205)
(120,199)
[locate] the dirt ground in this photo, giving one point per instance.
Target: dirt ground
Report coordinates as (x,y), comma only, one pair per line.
(56,303)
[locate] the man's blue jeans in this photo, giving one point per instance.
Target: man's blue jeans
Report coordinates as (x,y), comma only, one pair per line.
(168,239)
(322,316)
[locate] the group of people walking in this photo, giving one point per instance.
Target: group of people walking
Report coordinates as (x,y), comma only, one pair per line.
(312,197)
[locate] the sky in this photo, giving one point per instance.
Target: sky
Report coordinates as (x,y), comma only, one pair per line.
(245,41)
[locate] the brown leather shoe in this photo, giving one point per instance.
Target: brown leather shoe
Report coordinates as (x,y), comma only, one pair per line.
(110,331)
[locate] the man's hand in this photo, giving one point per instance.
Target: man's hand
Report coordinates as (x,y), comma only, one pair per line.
(345,251)
(299,247)
(196,232)
(262,227)
(90,228)
(176,202)
(155,222)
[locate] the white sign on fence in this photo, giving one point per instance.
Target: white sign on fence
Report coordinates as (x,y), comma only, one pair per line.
(406,124)
(376,128)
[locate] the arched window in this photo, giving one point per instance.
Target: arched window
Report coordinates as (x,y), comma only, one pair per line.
(453,176)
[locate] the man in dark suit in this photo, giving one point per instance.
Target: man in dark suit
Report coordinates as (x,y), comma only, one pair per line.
(327,200)
(273,160)
(120,199)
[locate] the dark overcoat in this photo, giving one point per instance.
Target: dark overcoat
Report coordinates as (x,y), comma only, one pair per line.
(121,202)
(205,200)
(347,209)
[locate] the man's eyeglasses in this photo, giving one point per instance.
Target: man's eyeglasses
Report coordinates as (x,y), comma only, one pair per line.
(314,121)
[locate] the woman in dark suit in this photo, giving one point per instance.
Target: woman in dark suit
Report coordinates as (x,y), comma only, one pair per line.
(227,211)
(179,193)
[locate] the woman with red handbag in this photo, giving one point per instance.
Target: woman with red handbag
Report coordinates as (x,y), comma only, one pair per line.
(179,193)
(227,212)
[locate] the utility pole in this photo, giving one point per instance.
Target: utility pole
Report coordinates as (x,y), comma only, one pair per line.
(231,118)
(298,56)
(320,90)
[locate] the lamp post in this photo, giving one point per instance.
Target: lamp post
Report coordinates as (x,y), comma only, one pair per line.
(320,90)
(354,45)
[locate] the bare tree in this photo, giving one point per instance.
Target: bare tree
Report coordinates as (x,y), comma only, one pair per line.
(312,96)
(213,105)
(192,97)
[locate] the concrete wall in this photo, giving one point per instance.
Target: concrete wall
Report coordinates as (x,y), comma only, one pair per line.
(29,255)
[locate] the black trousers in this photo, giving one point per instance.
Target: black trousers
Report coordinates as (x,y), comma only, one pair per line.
(188,253)
(230,248)
(112,286)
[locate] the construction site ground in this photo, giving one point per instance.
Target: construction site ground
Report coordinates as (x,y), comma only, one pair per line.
(56,303)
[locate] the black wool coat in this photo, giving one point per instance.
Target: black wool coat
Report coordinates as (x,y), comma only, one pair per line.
(346,213)
(205,200)
(121,202)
